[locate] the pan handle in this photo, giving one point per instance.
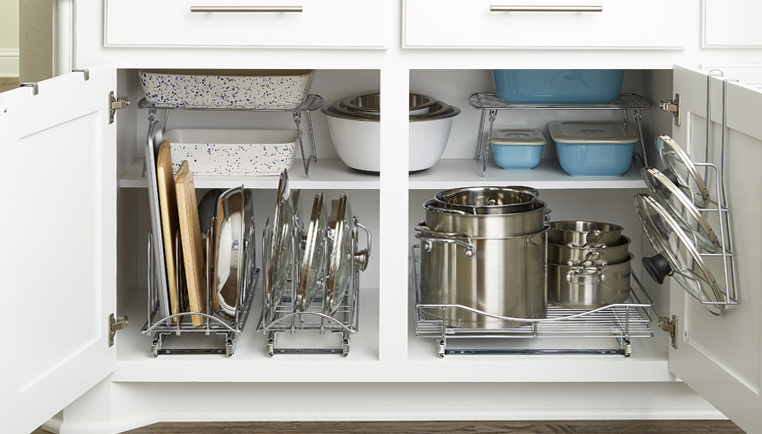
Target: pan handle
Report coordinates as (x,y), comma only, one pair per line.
(428,237)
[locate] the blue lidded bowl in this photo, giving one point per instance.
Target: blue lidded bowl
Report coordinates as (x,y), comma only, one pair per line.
(593,149)
(517,148)
(558,86)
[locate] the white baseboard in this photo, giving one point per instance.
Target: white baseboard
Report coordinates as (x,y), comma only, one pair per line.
(9,63)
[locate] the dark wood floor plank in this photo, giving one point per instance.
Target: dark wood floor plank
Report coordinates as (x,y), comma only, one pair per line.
(491,427)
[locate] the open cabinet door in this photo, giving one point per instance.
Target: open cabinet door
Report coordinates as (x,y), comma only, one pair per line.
(720,356)
(58,268)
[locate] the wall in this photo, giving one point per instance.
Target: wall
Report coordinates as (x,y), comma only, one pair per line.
(36,40)
(9,38)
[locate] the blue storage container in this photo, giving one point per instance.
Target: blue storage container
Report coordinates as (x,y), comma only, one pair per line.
(593,149)
(558,86)
(517,149)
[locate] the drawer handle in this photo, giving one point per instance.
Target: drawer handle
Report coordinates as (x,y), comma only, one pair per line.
(494,8)
(215,9)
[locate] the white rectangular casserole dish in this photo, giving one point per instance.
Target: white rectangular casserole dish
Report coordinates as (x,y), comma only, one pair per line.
(244,152)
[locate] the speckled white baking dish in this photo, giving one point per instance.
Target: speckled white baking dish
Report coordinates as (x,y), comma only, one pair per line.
(245,89)
(232,152)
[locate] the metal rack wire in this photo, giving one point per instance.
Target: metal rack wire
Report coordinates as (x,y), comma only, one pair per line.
(286,318)
(622,322)
(309,105)
(490,104)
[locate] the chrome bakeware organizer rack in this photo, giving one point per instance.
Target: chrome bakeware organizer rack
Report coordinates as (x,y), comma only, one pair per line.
(490,104)
(319,291)
(309,105)
(621,322)
(214,323)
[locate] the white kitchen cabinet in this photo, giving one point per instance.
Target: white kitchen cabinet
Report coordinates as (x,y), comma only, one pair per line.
(389,374)
(545,25)
(730,24)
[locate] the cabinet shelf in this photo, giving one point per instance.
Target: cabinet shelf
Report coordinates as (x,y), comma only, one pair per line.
(325,174)
(548,175)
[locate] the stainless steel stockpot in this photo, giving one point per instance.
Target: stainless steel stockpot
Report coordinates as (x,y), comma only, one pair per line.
(488,200)
(584,233)
(588,287)
(611,254)
(486,225)
(504,276)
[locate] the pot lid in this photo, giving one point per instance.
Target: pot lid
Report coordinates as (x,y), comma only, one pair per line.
(518,137)
(682,209)
(342,255)
(592,132)
(313,263)
(281,246)
(679,163)
(688,267)
(229,263)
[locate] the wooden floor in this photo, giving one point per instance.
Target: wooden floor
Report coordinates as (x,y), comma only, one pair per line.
(8,83)
(536,427)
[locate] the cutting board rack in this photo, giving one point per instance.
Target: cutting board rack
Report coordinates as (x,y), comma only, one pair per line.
(225,328)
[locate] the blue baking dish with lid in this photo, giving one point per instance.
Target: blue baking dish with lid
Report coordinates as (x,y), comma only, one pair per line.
(593,148)
(558,86)
(517,148)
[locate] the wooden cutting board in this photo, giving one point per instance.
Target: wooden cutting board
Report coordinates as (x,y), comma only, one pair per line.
(169,220)
(190,234)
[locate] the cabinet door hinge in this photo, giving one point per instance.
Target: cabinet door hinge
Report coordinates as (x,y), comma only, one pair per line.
(672,107)
(669,325)
(115,323)
(116,103)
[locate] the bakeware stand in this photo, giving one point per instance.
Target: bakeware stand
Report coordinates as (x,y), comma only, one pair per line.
(490,104)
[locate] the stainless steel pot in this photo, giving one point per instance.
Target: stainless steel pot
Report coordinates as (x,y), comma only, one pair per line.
(584,233)
(571,255)
(503,276)
(486,225)
(588,287)
(488,200)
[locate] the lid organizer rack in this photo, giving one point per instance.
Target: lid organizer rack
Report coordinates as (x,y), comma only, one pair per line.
(622,321)
(309,105)
(162,327)
(490,104)
(284,315)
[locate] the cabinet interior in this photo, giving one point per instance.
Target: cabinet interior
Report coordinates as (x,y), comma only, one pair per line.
(607,199)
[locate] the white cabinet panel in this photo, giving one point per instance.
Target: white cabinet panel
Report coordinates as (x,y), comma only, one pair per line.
(59,178)
(720,357)
(568,24)
(251,23)
(731,23)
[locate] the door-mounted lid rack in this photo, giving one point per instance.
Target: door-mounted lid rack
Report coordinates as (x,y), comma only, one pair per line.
(621,321)
(310,104)
(701,262)
(490,104)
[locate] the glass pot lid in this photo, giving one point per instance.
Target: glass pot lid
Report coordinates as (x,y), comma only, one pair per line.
(281,247)
(679,164)
(342,256)
(688,268)
(682,209)
(313,263)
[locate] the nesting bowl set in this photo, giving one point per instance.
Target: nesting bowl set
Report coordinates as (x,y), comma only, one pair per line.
(355,129)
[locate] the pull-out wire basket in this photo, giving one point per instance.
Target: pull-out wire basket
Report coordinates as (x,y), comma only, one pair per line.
(620,322)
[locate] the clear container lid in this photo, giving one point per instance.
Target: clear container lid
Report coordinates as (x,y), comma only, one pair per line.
(592,132)
(688,267)
(518,137)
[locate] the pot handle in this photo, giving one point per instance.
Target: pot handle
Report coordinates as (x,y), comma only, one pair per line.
(428,237)
(577,273)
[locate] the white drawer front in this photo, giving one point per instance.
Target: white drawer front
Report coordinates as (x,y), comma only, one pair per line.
(253,23)
(558,23)
(732,23)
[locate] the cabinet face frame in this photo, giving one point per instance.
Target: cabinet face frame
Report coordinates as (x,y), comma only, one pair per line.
(61,177)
